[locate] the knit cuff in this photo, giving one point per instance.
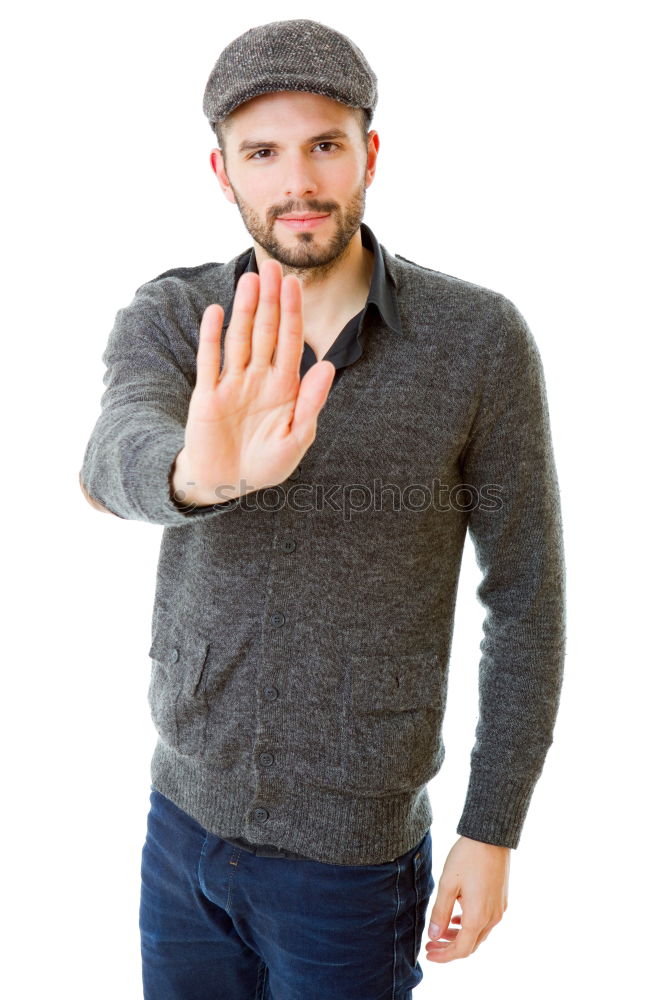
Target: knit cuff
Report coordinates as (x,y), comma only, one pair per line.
(495,808)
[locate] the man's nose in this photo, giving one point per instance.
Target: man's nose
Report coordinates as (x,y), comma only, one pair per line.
(299,178)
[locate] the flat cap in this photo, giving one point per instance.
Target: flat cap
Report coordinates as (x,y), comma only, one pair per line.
(289,55)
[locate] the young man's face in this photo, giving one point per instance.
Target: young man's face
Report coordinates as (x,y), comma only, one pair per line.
(289,153)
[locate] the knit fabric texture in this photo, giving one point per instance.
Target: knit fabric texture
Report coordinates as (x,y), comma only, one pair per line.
(300,55)
(301,635)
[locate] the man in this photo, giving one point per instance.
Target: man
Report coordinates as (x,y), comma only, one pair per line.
(279,415)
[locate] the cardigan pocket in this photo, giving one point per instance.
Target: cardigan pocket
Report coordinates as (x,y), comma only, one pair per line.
(176,698)
(393,729)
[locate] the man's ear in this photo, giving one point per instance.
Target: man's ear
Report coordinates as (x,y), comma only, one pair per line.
(373,150)
(217,164)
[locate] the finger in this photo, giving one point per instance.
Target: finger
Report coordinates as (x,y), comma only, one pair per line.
(440,916)
(267,317)
(238,339)
(208,351)
(449,934)
(466,940)
(482,937)
(312,394)
(289,348)
(463,945)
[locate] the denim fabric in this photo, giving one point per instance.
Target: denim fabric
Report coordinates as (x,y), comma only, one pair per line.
(219,922)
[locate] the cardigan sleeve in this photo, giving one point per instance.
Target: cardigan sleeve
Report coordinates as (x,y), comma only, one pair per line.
(141,427)
(516,528)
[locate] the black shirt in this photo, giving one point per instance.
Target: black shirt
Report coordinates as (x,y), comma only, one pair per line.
(348,345)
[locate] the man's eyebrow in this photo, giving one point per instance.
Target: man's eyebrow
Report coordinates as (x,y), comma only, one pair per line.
(334,133)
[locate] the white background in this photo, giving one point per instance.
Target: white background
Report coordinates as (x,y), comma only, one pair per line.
(520,150)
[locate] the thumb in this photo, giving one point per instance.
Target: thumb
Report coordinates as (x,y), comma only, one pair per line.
(440,917)
(312,394)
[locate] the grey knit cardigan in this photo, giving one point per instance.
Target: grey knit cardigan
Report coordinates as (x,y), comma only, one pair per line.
(301,636)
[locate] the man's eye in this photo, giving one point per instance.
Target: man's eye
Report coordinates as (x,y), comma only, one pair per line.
(257,156)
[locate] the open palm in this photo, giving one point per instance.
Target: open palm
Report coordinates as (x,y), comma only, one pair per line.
(249,424)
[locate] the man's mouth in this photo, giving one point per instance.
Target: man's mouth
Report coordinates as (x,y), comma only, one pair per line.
(307,220)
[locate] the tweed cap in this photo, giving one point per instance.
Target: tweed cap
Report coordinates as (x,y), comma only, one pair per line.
(289,55)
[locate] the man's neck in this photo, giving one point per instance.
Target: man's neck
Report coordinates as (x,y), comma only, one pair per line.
(333,294)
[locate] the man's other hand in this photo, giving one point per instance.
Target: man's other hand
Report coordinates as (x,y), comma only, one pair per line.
(477,874)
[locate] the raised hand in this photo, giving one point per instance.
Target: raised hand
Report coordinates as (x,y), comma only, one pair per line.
(249,425)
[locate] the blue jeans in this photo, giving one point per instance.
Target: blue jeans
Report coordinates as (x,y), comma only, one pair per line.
(218,922)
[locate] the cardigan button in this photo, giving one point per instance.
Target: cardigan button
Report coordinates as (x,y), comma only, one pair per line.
(277,619)
(271,693)
(174,655)
(288,545)
(261,815)
(266,759)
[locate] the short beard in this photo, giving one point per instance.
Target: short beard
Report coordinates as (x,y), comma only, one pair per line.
(308,261)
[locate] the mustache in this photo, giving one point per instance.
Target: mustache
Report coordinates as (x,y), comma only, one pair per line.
(291,207)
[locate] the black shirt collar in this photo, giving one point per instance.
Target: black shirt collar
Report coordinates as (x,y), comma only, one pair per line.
(382,287)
